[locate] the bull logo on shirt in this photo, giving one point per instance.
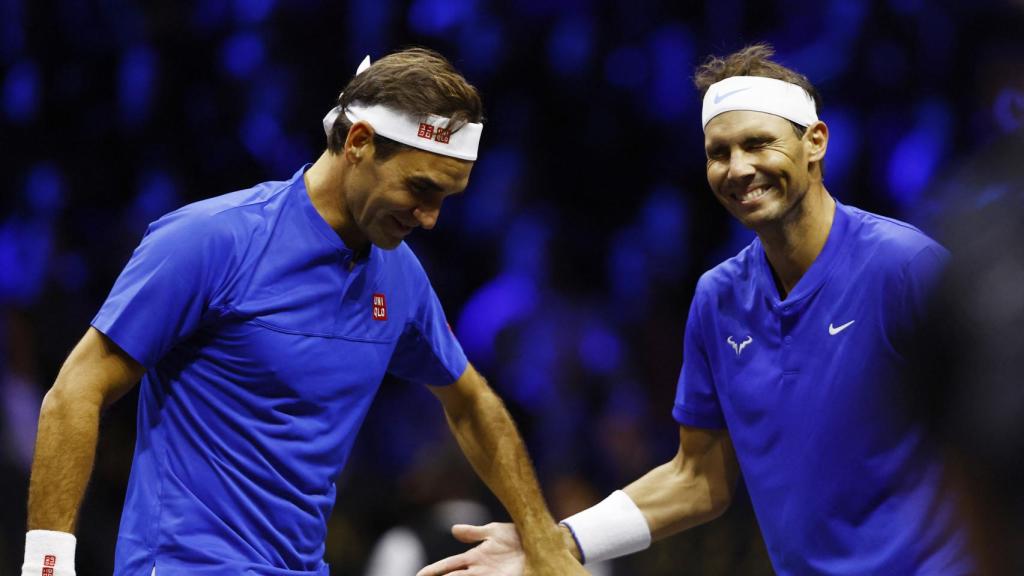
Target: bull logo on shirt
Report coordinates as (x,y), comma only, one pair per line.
(738,347)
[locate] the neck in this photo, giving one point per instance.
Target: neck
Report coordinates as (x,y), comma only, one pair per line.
(325,183)
(793,245)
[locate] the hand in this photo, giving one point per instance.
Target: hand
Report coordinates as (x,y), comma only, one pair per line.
(500,553)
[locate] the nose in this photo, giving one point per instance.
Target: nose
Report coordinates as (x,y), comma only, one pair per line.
(740,166)
(427,216)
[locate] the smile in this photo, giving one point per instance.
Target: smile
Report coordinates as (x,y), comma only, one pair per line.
(751,194)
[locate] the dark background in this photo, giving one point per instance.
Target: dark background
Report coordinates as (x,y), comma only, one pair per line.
(566,269)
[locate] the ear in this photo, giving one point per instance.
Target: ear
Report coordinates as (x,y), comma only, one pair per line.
(816,141)
(359,143)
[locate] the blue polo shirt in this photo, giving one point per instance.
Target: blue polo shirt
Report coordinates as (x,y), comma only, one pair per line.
(265,344)
(841,477)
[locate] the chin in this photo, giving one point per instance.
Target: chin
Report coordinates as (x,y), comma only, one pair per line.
(387,243)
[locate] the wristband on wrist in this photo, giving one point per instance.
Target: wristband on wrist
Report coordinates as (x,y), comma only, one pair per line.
(49,553)
(613,527)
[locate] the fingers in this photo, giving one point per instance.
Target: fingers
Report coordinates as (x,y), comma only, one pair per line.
(468,534)
(446,566)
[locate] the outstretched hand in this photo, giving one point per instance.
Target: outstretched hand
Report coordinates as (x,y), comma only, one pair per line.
(500,553)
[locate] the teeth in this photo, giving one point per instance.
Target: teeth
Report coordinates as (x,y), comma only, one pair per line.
(752,194)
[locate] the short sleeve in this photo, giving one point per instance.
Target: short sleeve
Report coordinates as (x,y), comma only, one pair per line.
(917,281)
(920,277)
(427,351)
(165,291)
(696,397)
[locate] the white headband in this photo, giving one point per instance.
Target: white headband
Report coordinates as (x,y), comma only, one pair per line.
(759,94)
(430,133)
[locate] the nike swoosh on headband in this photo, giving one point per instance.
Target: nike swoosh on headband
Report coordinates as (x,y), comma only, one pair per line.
(720,97)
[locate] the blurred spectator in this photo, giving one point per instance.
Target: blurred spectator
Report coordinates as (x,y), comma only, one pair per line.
(970,356)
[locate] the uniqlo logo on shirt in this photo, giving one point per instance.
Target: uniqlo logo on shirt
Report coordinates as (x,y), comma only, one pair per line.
(443,135)
(50,560)
(426,131)
(380,307)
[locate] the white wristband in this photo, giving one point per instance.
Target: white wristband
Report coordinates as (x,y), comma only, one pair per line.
(613,527)
(49,553)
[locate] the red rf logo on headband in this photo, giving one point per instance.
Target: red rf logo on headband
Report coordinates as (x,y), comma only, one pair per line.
(429,132)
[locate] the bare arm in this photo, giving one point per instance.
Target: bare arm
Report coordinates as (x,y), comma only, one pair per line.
(489,439)
(694,487)
(95,374)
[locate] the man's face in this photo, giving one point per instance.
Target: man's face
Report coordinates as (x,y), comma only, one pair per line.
(757,166)
(390,198)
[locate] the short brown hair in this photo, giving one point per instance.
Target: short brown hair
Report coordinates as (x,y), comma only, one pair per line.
(417,81)
(754,60)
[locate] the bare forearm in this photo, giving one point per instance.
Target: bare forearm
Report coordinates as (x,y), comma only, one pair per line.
(65,450)
(673,501)
(491,442)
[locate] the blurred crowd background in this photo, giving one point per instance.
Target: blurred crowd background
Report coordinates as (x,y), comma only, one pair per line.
(566,269)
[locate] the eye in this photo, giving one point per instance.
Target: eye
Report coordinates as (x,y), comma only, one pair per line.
(717,154)
(420,189)
(754,143)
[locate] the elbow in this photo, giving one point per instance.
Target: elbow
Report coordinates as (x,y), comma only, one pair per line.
(60,403)
(54,401)
(720,501)
(55,406)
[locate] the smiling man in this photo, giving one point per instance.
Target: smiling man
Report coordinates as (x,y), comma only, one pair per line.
(261,323)
(791,365)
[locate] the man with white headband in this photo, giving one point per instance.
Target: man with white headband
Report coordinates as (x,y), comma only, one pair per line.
(261,323)
(791,365)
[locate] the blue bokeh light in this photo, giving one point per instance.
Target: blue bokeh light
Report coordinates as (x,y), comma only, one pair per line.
(664,223)
(21,92)
(571,44)
(672,55)
(368,31)
(260,133)
(12,29)
(481,46)
(157,196)
(242,54)
(493,191)
(253,11)
(844,140)
(137,76)
(438,17)
(44,190)
(918,153)
(504,300)
(600,349)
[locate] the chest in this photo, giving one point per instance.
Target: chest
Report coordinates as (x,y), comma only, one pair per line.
(829,351)
(309,332)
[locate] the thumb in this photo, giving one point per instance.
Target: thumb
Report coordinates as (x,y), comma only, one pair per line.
(468,533)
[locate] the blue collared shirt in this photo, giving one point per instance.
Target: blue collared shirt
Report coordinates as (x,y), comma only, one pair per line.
(841,477)
(264,345)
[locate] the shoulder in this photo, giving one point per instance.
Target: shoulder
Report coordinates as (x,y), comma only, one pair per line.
(891,241)
(401,269)
(404,261)
(224,221)
(731,274)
